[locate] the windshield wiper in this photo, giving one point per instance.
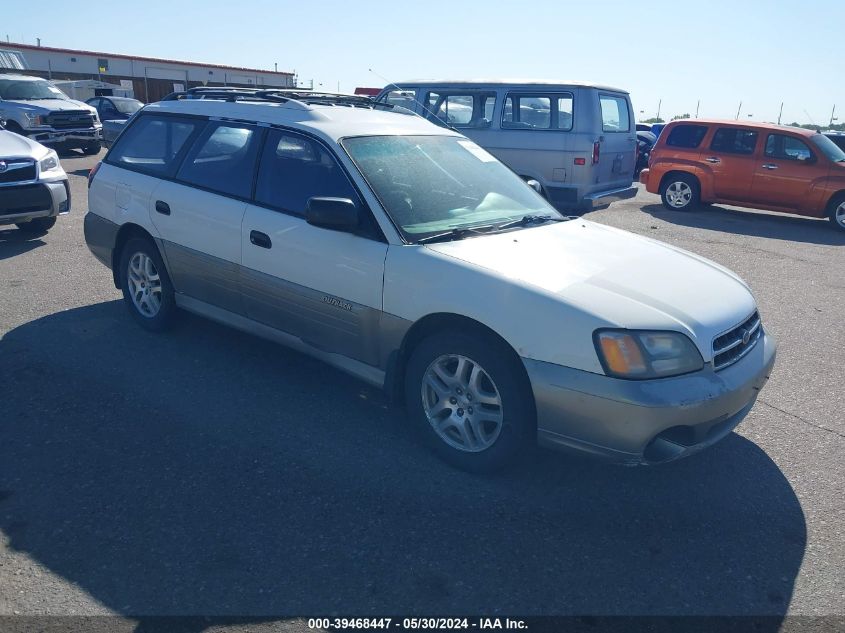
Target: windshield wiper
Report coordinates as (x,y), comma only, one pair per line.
(527,220)
(456,234)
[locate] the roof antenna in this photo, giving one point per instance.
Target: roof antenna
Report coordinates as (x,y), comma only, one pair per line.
(390,84)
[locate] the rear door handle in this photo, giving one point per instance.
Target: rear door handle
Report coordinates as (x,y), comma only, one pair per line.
(713,159)
(260,239)
(769,166)
(162,207)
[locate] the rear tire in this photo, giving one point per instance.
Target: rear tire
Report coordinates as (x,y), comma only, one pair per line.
(92,149)
(472,406)
(836,212)
(680,192)
(147,290)
(37,226)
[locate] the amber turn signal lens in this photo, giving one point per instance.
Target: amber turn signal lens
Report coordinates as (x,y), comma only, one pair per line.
(622,354)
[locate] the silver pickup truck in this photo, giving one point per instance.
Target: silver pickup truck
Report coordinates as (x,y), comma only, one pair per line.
(35,108)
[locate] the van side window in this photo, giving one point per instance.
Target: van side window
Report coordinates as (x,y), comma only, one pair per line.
(733,140)
(688,136)
(461,110)
(787,148)
(223,159)
(537,112)
(614,114)
(294,168)
(153,143)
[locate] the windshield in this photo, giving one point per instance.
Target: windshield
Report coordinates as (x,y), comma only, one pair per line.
(828,148)
(127,106)
(11,89)
(432,184)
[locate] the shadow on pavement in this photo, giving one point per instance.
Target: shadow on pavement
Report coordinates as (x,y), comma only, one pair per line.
(207,472)
(14,242)
(753,223)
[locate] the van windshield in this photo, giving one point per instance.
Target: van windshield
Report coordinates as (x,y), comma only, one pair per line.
(828,148)
(432,184)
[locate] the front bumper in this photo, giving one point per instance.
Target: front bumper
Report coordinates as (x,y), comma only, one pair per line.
(51,136)
(27,202)
(646,421)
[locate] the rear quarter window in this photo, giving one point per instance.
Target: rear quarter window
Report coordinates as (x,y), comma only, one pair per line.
(614,114)
(154,144)
(687,136)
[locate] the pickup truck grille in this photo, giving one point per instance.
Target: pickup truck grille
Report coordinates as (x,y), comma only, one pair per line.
(12,171)
(733,345)
(70,119)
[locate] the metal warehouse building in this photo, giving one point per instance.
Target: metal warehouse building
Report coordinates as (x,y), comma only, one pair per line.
(149,78)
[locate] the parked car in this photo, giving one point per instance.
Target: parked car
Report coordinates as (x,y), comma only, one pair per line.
(645,141)
(35,108)
(576,139)
(643,127)
(838,138)
(407,255)
(115,108)
(657,128)
(33,186)
(757,165)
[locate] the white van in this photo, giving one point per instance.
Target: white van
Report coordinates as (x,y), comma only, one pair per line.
(578,140)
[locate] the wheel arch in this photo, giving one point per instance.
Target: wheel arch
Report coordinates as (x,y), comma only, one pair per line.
(674,173)
(124,234)
(836,196)
(433,324)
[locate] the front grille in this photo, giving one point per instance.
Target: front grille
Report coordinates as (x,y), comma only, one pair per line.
(70,119)
(16,171)
(24,199)
(733,345)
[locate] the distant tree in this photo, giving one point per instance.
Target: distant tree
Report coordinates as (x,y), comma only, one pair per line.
(653,119)
(680,116)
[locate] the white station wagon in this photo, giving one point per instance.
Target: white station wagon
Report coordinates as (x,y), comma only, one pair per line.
(405,254)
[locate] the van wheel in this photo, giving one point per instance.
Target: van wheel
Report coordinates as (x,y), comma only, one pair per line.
(38,226)
(147,290)
(469,401)
(836,212)
(680,192)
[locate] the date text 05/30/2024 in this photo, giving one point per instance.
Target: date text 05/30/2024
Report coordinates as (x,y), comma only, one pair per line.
(412,624)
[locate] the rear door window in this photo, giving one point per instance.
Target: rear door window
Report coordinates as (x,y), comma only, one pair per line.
(223,159)
(733,140)
(295,168)
(536,111)
(614,114)
(154,144)
(687,136)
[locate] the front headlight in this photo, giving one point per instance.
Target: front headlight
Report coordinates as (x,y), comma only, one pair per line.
(639,355)
(49,163)
(34,119)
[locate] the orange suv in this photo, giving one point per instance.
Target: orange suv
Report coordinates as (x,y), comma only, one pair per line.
(757,165)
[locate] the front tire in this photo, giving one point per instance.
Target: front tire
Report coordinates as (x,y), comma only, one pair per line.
(92,149)
(680,192)
(836,212)
(469,400)
(37,226)
(147,290)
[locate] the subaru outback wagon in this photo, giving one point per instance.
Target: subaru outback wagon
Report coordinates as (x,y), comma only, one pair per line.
(407,255)
(757,165)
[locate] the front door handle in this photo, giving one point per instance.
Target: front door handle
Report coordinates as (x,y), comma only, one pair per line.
(260,239)
(162,207)
(713,159)
(769,166)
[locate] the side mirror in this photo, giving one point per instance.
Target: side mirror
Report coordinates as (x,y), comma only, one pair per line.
(535,185)
(337,214)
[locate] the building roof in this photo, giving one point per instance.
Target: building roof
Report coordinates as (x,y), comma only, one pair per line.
(13,45)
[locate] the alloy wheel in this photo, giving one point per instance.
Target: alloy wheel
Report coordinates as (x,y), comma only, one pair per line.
(144,284)
(462,403)
(679,194)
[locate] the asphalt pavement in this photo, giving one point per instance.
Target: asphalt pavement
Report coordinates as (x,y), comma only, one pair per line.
(207,472)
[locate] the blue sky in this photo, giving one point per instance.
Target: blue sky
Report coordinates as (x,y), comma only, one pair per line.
(759,51)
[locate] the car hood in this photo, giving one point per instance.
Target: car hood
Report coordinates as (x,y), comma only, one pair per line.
(622,279)
(16,146)
(43,106)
